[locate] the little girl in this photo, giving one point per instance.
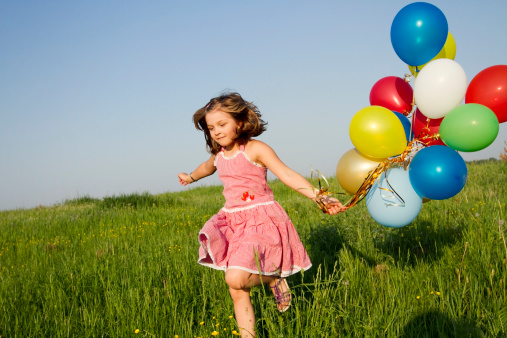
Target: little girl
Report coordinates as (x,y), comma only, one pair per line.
(251,238)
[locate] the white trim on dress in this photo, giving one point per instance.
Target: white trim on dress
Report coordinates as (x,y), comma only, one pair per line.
(254,163)
(234,156)
(295,269)
(246,208)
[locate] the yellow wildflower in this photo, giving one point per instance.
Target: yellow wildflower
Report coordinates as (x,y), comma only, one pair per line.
(201,323)
(136,331)
(438,293)
(230,317)
(418,297)
(236,333)
(214,333)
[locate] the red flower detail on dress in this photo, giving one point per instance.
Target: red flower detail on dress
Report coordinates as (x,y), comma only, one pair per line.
(247,197)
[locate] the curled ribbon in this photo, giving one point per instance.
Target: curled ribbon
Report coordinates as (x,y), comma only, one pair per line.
(402,160)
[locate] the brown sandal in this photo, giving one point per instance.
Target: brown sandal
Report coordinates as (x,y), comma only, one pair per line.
(283,299)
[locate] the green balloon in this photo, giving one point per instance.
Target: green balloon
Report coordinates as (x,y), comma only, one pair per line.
(469,127)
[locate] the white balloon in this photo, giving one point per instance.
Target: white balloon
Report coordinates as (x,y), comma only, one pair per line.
(440,87)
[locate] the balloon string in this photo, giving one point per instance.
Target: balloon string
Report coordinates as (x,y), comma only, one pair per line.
(412,105)
(392,189)
(403,160)
(367,184)
(393,195)
(412,118)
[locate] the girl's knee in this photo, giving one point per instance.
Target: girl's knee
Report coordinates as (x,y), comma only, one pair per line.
(237,279)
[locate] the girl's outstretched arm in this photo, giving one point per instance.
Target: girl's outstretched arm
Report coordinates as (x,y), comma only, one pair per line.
(265,155)
(204,169)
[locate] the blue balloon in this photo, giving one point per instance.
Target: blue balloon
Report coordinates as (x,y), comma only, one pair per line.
(437,172)
(393,202)
(409,133)
(418,33)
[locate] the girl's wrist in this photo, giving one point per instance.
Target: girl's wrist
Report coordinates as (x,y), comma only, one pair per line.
(314,194)
(193,179)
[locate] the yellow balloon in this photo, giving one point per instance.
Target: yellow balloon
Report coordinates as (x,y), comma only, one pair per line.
(447,52)
(377,132)
(352,169)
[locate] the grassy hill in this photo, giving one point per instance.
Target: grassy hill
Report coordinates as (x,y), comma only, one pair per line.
(126,266)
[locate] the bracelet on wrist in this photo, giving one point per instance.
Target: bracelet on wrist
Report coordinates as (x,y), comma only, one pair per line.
(193,179)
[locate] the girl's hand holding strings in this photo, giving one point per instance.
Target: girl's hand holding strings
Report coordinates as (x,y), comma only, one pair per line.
(333,205)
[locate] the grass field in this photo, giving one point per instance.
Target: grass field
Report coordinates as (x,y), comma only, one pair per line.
(125,266)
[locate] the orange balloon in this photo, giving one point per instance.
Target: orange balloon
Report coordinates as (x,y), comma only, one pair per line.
(352,169)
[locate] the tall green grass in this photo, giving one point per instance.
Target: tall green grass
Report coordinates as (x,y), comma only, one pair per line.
(124,264)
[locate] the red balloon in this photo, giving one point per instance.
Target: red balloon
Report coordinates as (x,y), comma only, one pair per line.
(392,93)
(489,88)
(419,124)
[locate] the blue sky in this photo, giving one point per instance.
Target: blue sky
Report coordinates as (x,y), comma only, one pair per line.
(96,97)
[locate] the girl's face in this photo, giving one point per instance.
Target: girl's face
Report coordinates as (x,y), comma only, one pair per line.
(222,127)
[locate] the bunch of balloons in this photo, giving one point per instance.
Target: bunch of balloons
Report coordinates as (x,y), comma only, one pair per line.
(407,141)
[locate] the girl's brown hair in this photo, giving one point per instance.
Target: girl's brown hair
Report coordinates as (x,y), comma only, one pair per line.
(245,113)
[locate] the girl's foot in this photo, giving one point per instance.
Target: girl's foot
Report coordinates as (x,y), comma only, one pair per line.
(283,297)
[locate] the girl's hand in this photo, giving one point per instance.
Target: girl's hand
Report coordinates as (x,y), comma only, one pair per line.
(203,170)
(185,178)
(333,205)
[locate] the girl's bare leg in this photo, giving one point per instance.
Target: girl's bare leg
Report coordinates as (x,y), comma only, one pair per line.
(240,282)
(243,309)
(239,287)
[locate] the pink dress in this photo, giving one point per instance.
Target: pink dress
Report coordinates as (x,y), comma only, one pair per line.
(251,226)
